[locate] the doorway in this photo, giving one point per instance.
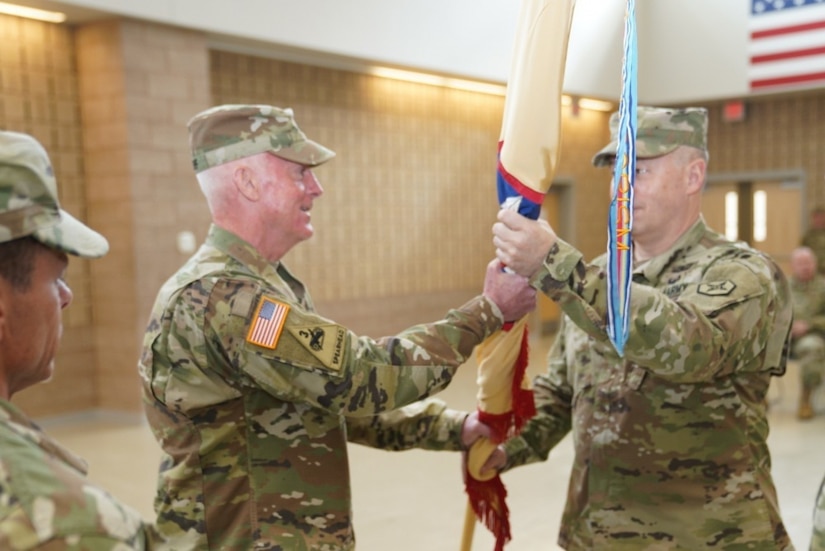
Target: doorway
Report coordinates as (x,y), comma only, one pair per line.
(764,210)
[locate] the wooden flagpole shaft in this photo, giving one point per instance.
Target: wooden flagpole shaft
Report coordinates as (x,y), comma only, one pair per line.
(469,528)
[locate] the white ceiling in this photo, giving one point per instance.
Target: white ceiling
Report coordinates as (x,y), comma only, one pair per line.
(688,51)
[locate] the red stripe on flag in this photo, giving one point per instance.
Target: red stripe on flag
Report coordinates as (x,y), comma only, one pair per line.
(795,79)
(790,29)
(787,55)
(523,190)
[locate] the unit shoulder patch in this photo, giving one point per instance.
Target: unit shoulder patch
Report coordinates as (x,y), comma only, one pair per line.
(325,342)
(267,322)
(718,289)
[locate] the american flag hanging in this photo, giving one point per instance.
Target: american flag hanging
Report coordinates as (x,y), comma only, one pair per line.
(786,45)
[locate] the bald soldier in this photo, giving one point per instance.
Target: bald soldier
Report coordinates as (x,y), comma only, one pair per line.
(248,389)
(46,501)
(670,440)
(808,328)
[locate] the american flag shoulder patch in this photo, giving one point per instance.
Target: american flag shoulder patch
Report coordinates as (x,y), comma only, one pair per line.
(267,323)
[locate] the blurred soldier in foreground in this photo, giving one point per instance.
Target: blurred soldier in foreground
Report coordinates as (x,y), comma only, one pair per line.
(45,500)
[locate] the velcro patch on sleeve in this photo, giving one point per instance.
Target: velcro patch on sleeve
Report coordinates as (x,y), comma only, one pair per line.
(325,342)
(718,289)
(267,323)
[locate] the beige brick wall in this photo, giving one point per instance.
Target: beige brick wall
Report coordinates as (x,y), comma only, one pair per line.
(779,133)
(410,198)
(109,101)
(402,232)
(38,96)
(139,84)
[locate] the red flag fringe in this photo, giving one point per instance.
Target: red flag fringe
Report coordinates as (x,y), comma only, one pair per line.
(488,499)
(522,408)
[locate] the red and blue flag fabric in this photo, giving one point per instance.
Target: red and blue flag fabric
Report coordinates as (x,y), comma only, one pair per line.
(528,151)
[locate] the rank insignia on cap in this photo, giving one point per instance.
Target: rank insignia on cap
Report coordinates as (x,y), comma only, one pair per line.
(268,323)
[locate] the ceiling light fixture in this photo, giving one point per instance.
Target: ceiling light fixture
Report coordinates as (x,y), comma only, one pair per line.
(32,13)
(588,103)
(476,86)
(436,80)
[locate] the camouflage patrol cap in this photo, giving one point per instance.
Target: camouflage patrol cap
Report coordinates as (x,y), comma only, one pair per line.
(29,204)
(229,132)
(659,131)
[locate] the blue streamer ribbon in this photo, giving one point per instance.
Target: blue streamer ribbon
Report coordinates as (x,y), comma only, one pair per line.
(619,247)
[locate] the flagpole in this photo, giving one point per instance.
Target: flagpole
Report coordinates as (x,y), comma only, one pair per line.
(528,154)
(469,528)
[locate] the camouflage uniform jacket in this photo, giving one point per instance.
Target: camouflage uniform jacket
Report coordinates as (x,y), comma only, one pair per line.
(46,501)
(809,302)
(255,436)
(670,442)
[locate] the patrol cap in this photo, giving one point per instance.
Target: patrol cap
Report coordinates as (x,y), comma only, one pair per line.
(229,132)
(29,204)
(659,131)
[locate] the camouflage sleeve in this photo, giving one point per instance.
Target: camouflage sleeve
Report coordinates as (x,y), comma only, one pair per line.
(46,502)
(552,422)
(428,424)
(84,543)
(313,360)
(735,318)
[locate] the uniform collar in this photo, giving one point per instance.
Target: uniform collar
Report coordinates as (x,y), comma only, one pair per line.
(653,267)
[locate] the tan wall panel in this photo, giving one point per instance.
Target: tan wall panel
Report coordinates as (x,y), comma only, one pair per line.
(409,200)
(38,96)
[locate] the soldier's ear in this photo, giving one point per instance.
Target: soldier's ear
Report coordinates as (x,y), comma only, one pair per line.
(696,175)
(246,182)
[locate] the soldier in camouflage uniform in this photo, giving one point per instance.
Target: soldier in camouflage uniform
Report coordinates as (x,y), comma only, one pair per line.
(818,532)
(814,238)
(248,390)
(46,502)
(808,328)
(670,440)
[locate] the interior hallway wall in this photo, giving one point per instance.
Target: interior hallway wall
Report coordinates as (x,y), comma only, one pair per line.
(109,101)
(404,229)
(402,233)
(39,96)
(784,133)
(139,83)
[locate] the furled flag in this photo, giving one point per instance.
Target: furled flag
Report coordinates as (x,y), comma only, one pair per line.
(528,154)
(619,247)
(787,44)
